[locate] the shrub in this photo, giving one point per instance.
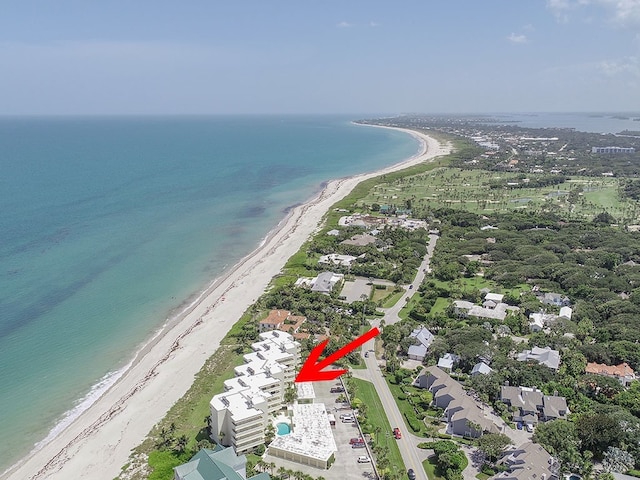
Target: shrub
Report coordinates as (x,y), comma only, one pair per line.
(487,470)
(444,435)
(426,445)
(413,422)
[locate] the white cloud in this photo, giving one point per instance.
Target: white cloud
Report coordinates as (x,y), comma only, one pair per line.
(623,13)
(514,38)
(344,25)
(629,66)
(374,24)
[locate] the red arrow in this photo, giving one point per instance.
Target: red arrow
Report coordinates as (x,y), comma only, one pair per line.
(312,371)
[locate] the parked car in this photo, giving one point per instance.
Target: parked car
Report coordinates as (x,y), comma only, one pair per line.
(364,459)
(411,474)
(348,420)
(358,445)
(366,354)
(342,415)
(529,428)
(397,433)
(356,440)
(519,425)
(337,389)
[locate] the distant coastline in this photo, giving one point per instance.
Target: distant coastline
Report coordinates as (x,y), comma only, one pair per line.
(162,370)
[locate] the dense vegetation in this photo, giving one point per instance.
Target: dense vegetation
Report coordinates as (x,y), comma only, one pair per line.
(591,262)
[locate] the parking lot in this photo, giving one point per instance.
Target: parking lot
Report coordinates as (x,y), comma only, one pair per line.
(346,466)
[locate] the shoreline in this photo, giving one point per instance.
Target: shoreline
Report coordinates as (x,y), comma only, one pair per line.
(162,370)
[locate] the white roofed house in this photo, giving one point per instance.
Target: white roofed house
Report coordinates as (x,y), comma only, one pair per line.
(566,312)
(481,368)
(492,308)
(325,282)
(423,339)
(544,356)
(448,361)
(337,259)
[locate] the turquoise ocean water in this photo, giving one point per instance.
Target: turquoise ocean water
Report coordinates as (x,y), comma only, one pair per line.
(108,225)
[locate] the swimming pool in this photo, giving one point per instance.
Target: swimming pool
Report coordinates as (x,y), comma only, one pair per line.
(283,429)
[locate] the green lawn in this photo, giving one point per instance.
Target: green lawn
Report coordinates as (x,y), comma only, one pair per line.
(469,190)
(440,306)
(432,470)
(392,300)
(366,392)
(404,312)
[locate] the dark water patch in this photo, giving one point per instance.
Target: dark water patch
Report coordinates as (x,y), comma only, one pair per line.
(252,211)
(17,314)
(288,209)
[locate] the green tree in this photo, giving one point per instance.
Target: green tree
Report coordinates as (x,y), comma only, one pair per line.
(493,445)
(597,432)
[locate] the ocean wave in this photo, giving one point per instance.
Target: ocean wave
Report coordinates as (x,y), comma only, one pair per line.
(83,404)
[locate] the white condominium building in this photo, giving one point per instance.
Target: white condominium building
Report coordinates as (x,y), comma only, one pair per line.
(240,415)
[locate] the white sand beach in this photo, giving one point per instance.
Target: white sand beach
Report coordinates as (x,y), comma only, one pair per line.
(98,443)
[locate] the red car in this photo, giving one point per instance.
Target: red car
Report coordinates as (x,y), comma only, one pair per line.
(397,434)
(356,440)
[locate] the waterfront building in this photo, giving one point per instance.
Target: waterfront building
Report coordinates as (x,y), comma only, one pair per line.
(240,415)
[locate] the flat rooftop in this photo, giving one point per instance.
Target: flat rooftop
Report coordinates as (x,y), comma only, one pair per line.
(311,435)
(305,391)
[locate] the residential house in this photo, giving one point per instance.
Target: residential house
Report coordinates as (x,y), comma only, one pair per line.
(464,415)
(623,372)
(360,240)
(281,320)
(492,308)
(532,405)
(466,418)
(337,259)
(423,339)
(555,299)
(541,319)
(274,320)
(544,356)
(566,312)
(216,464)
(481,368)
(529,461)
(448,361)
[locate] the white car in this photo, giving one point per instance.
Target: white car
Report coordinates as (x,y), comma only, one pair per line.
(529,428)
(364,459)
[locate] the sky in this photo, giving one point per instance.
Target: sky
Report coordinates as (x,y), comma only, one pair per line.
(329,57)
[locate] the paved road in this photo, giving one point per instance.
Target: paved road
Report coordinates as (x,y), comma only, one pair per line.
(411,454)
(391,314)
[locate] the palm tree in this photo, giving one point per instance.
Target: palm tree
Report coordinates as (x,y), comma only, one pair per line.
(272,467)
(282,472)
(181,444)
